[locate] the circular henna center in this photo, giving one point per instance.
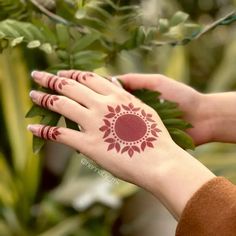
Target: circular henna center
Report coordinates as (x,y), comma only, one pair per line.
(130,127)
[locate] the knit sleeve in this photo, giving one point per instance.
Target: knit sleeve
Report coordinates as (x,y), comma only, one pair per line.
(211,211)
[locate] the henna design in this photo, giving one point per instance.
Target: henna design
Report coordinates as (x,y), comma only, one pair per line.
(129,129)
(79,75)
(55,83)
(50,133)
(47,100)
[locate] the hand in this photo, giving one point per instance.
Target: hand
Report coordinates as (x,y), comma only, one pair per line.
(118,131)
(191,102)
(121,134)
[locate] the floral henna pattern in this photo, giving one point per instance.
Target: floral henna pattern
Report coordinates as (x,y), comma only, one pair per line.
(50,133)
(80,76)
(129,129)
(55,83)
(48,99)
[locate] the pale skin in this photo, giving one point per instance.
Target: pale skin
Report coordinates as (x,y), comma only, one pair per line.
(162,167)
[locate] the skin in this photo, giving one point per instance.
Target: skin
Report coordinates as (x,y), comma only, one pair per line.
(203,111)
(161,168)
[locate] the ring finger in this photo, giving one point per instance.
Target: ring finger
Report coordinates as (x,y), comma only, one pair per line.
(62,105)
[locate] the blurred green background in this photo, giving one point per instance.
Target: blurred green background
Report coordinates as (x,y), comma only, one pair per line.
(59,192)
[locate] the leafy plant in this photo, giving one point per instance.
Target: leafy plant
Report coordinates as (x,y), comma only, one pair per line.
(89,35)
(84,35)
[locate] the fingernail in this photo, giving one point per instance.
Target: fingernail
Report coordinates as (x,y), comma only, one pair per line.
(34,95)
(37,74)
(33,128)
(116,81)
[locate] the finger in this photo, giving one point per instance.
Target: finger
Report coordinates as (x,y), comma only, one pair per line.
(62,105)
(76,91)
(142,81)
(91,80)
(72,138)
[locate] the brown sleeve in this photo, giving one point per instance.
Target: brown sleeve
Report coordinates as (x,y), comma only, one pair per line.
(211,211)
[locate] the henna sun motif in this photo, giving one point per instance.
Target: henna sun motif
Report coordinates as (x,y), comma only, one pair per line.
(129,129)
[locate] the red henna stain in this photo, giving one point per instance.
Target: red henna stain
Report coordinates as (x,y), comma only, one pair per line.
(55,83)
(128,129)
(47,100)
(50,133)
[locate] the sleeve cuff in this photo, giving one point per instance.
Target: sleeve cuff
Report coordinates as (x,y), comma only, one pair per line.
(211,210)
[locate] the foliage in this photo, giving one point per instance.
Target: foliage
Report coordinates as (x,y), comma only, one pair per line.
(91,34)
(85,35)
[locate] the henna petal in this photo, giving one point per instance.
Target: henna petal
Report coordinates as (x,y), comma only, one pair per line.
(136,149)
(154,133)
(131,152)
(149,144)
(110,140)
(106,134)
(157,130)
(143,113)
(131,106)
(60,86)
(149,115)
(149,119)
(136,109)
(111,109)
(118,109)
(125,149)
(117,147)
(54,136)
(151,139)
(153,126)
(110,115)
(51,102)
(107,122)
(126,108)
(111,146)
(64,82)
(103,128)
(143,145)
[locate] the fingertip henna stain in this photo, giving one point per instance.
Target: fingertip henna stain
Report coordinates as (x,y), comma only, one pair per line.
(129,129)
(49,133)
(80,76)
(55,83)
(47,100)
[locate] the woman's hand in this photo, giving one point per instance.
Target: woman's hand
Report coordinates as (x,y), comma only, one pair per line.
(121,134)
(118,131)
(192,103)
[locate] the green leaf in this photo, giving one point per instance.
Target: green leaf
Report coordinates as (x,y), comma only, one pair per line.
(176,123)
(34,44)
(85,41)
(63,36)
(37,111)
(163,25)
(181,138)
(71,125)
(46,47)
(178,18)
(16,41)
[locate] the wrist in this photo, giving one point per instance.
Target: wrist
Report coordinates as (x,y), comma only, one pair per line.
(177,178)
